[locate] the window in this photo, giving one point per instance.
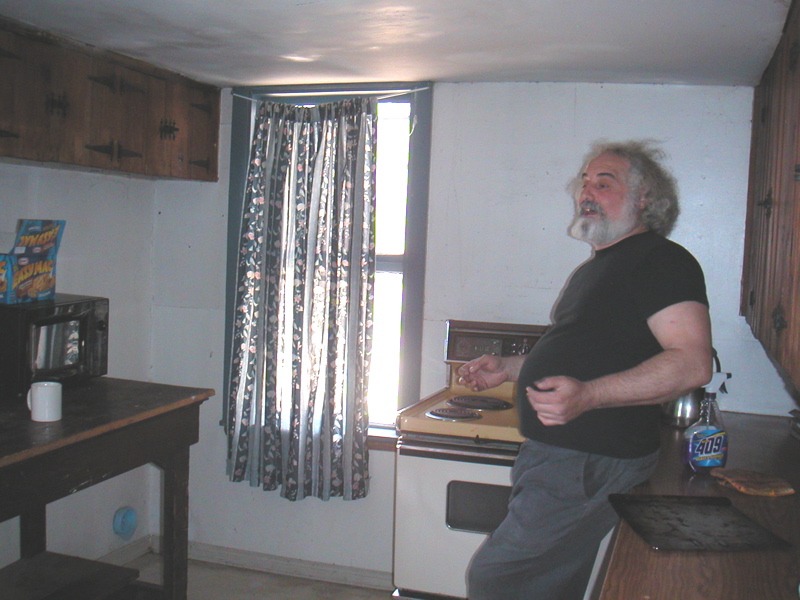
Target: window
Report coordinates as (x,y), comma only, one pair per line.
(404,112)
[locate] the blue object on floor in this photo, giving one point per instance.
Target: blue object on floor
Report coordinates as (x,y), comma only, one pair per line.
(125,522)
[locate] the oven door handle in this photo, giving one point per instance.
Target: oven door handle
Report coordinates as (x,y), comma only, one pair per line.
(485,456)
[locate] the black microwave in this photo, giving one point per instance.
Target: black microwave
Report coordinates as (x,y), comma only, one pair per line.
(63,339)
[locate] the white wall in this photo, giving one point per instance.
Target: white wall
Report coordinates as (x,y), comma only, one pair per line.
(497,251)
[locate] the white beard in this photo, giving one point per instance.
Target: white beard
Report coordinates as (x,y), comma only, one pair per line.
(600,231)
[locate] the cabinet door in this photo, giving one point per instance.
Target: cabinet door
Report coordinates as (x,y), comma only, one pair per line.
(12,66)
(168,139)
(203,118)
(760,195)
(160,133)
(115,138)
(44,99)
(183,141)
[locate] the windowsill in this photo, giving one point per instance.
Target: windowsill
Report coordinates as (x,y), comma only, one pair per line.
(382,438)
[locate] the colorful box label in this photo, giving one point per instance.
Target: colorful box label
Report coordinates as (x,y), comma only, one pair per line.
(28,272)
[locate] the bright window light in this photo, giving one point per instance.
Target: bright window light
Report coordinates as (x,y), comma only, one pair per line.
(390,234)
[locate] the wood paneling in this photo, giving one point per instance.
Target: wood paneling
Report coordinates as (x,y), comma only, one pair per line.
(66,103)
(770,299)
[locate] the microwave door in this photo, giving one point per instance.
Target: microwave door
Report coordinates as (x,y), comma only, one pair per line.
(57,345)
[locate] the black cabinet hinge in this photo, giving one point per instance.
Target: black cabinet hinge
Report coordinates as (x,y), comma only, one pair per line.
(8,54)
(766,204)
(115,151)
(206,108)
(203,164)
(779,322)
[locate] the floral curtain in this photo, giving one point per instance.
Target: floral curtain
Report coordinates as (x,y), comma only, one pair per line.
(297,415)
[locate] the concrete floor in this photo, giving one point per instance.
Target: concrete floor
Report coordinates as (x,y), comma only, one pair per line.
(209,581)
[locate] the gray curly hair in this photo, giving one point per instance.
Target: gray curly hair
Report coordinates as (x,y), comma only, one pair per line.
(647,178)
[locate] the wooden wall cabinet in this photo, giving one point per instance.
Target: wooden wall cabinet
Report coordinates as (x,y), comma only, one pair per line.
(184,141)
(66,103)
(770,298)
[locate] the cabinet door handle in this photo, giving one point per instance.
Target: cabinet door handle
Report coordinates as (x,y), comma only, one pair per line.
(56,104)
(8,134)
(167,129)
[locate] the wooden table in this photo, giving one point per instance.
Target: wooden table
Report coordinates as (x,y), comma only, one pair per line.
(636,572)
(109,426)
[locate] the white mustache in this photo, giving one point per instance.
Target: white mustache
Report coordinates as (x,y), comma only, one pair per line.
(587,206)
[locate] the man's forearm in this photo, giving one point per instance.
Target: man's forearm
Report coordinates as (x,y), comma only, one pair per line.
(664,377)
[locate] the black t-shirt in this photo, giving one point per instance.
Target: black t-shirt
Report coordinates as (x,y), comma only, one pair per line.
(599,328)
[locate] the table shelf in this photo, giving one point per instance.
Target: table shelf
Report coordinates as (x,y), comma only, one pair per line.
(52,576)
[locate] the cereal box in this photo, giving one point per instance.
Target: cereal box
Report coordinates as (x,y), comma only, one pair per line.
(28,272)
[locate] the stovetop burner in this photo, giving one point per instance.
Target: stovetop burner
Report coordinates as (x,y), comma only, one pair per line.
(453,413)
(480,403)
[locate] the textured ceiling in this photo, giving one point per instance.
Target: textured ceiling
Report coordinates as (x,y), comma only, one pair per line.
(249,42)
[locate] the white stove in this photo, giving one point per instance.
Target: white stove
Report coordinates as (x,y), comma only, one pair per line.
(454,458)
(456,411)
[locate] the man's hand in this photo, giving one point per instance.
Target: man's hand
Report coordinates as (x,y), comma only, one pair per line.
(489,371)
(559,400)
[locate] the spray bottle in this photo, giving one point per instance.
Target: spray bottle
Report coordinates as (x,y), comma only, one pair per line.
(706,442)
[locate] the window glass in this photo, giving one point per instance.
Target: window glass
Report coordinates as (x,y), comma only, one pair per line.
(390,236)
(392,176)
(384,377)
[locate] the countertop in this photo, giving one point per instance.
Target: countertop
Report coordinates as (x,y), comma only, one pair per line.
(632,570)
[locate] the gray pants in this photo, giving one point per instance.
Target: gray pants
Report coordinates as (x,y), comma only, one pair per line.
(557,516)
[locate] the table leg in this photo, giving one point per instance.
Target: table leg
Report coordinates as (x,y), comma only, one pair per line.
(33,531)
(175,528)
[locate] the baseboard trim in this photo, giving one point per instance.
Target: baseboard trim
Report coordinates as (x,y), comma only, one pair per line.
(131,551)
(257,561)
(293,567)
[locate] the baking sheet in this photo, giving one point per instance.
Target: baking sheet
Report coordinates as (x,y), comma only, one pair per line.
(696,523)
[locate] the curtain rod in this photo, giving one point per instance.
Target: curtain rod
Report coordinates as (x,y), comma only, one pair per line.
(385,94)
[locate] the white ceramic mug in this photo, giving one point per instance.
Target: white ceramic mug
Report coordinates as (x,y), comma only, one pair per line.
(44,401)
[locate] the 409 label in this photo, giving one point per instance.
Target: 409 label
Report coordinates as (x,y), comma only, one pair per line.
(709,450)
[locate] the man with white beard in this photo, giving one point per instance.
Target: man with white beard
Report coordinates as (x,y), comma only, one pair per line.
(630,331)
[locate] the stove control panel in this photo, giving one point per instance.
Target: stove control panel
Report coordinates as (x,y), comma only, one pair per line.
(467,340)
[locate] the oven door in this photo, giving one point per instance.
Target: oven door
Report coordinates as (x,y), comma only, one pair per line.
(447,499)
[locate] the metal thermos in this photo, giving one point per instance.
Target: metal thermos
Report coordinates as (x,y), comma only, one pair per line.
(685,410)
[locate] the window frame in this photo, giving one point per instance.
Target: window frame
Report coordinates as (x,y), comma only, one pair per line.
(420,94)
